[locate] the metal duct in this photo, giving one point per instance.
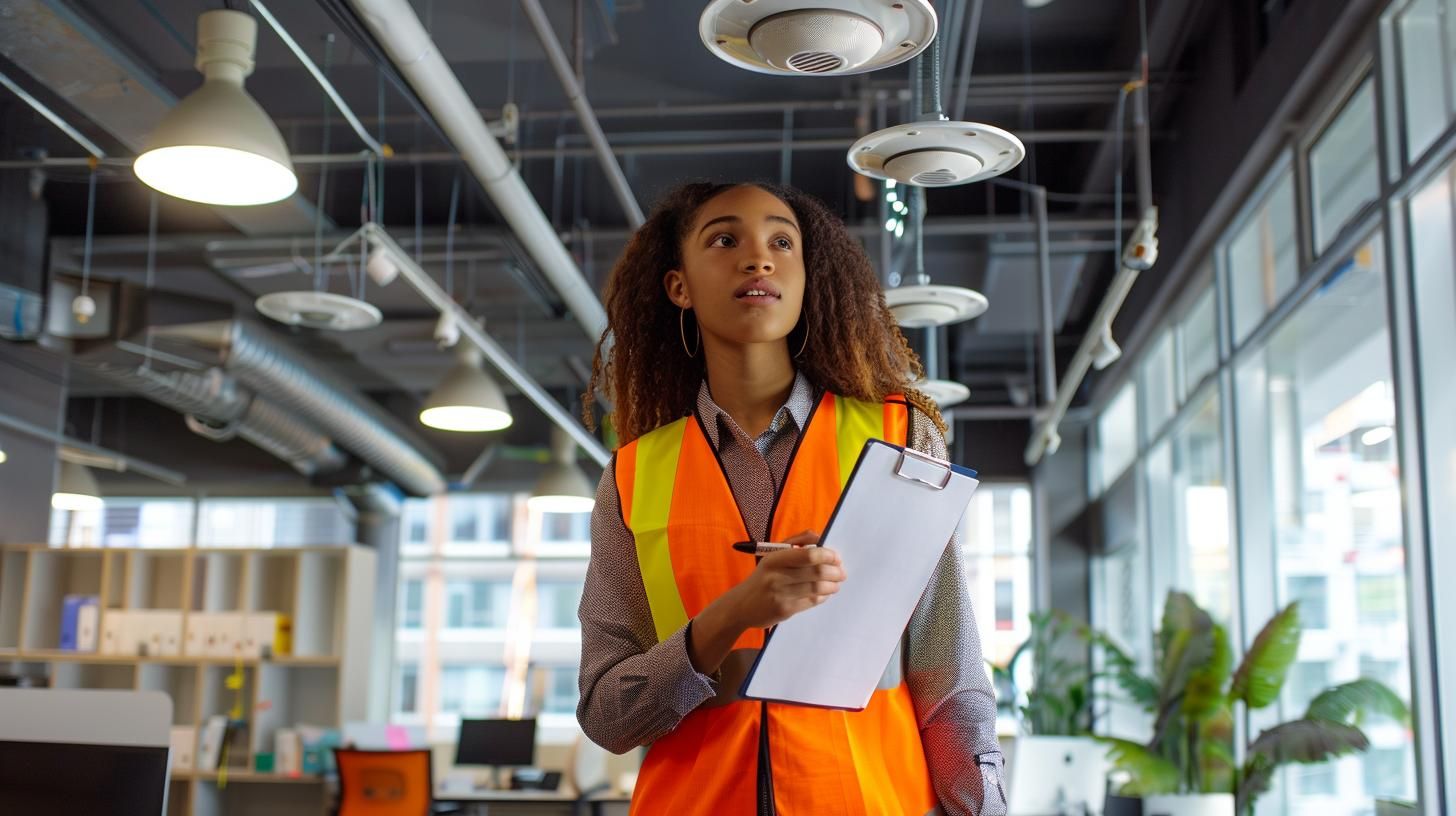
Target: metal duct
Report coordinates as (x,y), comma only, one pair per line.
(307,389)
(219,410)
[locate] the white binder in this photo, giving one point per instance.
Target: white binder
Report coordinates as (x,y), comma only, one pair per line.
(891,527)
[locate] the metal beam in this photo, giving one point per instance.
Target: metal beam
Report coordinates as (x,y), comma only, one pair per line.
(122,461)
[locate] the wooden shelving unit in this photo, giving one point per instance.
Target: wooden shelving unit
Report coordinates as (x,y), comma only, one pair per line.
(326,591)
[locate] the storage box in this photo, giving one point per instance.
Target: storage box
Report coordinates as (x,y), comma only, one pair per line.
(160,630)
(117,633)
(184,744)
(213,634)
(267,634)
(287,752)
(79,618)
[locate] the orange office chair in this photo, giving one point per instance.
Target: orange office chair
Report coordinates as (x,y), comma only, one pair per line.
(384,783)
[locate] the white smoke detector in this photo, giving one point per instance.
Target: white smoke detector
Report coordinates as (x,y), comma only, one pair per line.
(919,307)
(936,154)
(319,310)
(945,392)
(817,37)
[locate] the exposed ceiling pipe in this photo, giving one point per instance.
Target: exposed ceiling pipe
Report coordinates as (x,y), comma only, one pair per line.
(973,33)
(268,366)
(588,119)
(74,450)
(216,408)
(396,26)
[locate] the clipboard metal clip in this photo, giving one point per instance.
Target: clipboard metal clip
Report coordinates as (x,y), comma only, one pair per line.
(943,466)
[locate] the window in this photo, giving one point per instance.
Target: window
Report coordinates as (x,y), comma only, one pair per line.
(1263,258)
(1159,399)
(556,604)
(415,519)
(1378,599)
(472,691)
(1308,400)
(1385,773)
(1344,174)
(480,519)
(1116,437)
(1312,593)
(123,522)
(995,536)
(1005,605)
(1427,103)
(1307,678)
(566,528)
(412,604)
(273,523)
(407,690)
(559,691)
(1198,342)
(1315,780)
(477,604)
(1200,506)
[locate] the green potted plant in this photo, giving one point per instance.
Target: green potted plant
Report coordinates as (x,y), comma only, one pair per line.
(1187,768)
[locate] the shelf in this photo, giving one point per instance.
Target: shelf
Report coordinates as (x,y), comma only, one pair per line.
(248,776)
(59,656)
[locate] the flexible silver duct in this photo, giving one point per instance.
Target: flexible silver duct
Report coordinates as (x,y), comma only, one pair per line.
(304,388)
(217,409)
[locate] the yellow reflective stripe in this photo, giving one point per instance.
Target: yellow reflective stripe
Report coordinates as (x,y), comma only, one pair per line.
(855,422)
(657,455)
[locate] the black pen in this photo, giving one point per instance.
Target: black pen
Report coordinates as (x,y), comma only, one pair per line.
(760,547)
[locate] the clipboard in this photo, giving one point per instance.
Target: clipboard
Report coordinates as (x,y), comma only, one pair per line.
(890,527)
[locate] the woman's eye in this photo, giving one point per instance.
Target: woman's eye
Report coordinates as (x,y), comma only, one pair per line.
(784,243)
(723,241)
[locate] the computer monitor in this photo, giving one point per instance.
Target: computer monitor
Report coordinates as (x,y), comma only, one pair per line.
(72,751)
(1052,776)
(496,742)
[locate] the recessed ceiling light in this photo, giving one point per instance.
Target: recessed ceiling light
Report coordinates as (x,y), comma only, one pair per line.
(816,37)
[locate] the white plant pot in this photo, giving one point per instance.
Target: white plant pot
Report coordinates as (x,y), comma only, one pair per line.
(1192,804)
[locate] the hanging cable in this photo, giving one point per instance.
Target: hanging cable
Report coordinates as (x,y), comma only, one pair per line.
(320,280)
(86,258)
(151,280)
(450,236)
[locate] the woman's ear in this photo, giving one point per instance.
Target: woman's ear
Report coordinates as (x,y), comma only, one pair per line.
(676,284)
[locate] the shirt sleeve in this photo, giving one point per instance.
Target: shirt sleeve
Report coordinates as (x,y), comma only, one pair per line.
(633,688)
(952,693)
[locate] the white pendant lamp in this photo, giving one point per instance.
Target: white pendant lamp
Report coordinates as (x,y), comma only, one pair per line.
(77,489)
(468,400)
(218,146)
(563,488)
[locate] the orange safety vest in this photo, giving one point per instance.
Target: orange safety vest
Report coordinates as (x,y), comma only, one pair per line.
(677,502)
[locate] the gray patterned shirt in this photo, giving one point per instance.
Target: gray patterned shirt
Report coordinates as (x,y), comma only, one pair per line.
(635,689)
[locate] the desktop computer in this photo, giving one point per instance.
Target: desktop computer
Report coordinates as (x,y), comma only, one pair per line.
(66,751)
(1057,776)
(504,744)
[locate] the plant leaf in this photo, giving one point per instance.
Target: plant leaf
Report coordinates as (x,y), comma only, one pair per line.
(1255,779)
(1151,774)
(1124,671)
(1204,695)
(1308,740)
(1266,665)
(1358,699)
(1187,642)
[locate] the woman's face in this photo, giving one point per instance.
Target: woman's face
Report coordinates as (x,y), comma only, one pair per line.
(742,268)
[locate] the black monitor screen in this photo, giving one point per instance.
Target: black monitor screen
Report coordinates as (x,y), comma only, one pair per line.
(45,777)
(496,742)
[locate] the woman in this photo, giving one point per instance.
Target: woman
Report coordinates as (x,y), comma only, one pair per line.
(750,346)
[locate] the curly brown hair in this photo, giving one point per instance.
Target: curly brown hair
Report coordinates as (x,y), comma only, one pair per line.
(854,346)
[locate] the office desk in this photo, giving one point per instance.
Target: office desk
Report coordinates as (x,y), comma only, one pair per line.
(535,803)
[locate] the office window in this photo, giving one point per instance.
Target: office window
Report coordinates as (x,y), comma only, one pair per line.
(1117,440)
(566,528)
(1315,780)
(1344,174)
(480,519)
(1310,400)
(124,522)
(1312,593)
(406,699)
(477,604)
(1198,342)
(412,604)
(559,691)
(272,523)
(1432,219)
(995,536)
(1263,258)
(1156,384)
(1199,504)
(471,691)
(1385,773)
(1307,678)
(415,521)
(1425,73)
(556,604)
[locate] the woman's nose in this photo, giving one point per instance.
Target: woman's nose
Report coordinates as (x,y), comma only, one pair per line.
(758,265)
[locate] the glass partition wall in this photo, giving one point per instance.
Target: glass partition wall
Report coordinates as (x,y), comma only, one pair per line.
(1286,434)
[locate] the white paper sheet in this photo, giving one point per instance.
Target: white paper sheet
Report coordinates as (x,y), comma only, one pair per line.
(890,532)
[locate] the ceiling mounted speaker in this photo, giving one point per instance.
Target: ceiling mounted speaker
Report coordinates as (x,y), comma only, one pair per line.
(945,392)
(919,307)
(936,154)
(319,310)
(817,37)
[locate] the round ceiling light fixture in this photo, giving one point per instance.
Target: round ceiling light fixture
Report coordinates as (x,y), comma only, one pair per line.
(319,310)
(945,392)
(817,37)
(927,305)
(936,154)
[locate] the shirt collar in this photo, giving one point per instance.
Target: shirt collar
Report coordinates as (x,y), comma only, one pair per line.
(798,407)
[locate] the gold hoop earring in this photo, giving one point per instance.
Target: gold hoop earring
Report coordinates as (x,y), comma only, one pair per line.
(803,344)
(683,333)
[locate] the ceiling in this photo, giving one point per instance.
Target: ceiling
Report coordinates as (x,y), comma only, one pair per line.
(1050,74)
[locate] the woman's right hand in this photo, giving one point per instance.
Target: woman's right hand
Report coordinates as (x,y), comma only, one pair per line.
(786,583)
(783,584)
